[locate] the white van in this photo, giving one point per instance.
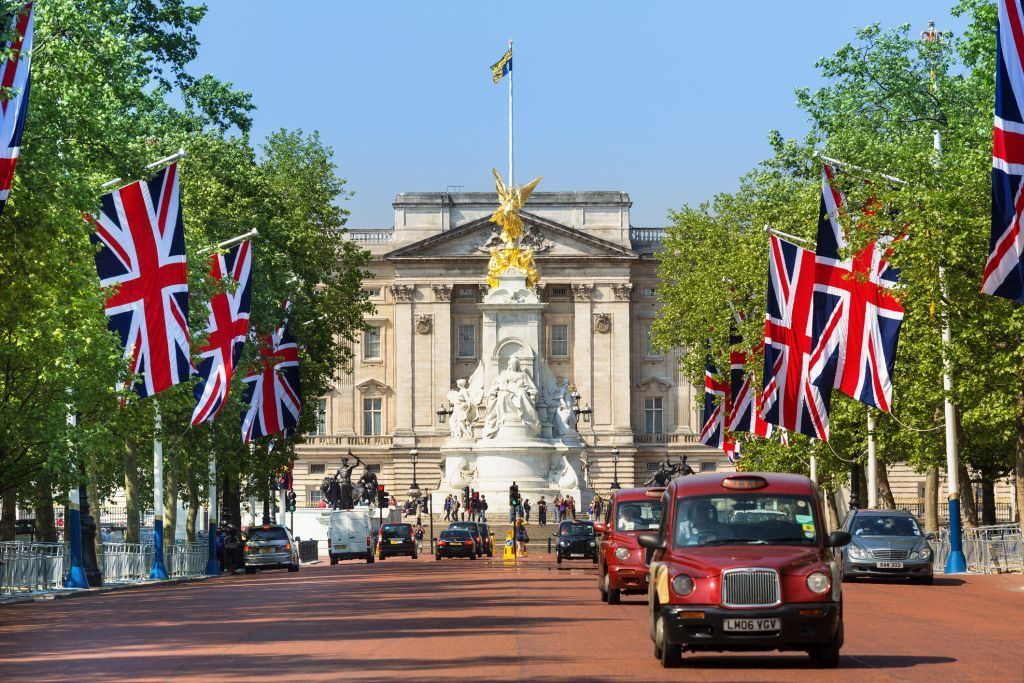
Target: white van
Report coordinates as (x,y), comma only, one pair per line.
(350,536)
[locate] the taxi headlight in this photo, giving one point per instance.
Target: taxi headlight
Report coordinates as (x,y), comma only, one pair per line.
(817,582)
(682,585)
(858,553)
(622,553)
(593,544)
(563,543)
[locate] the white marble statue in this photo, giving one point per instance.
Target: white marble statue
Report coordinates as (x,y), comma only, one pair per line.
(562,476)
(463,412)
(512,398)
(564,422)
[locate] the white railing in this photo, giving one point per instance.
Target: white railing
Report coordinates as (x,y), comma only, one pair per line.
(987,549)
(30,567)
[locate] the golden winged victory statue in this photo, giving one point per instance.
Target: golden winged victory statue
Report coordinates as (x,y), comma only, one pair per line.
(511,254)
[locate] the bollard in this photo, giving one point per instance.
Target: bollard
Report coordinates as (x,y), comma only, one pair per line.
(549,545)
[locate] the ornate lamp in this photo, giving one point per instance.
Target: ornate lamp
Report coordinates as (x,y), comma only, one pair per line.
(444,412)
(414,488)
(585,411)
(615,460)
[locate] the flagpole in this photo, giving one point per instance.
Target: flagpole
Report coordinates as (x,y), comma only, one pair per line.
(231,242)
(159,162)
(872,463)
(511,176)
(158,571)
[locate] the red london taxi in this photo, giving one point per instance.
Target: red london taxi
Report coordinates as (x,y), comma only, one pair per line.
(743,562)
(622,563)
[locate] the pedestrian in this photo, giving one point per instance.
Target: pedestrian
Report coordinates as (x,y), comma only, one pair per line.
(417,533)
(542,512)
(219,545)
(572,507)
(562,507)
(448,508)
(230,549)
(590,510)
(473,508)
(483,509)
(455,509)
(598,507)
(526,510)
(522,538)
(393,503)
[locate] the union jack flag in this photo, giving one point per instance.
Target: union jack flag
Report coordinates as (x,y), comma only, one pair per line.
(142,255)
(856,318)
(744,407)
(716,406)
(1004,271)
(789,399)
(274,394)
(227,327)
(14,78)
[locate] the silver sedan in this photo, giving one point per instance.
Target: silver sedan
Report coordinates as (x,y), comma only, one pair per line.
(886,544)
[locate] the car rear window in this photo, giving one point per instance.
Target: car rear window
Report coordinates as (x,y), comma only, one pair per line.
(638,515)
(272,534)
(397,531)
(468,526)
(455,535)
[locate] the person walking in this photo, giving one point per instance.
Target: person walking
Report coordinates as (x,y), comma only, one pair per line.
(526,510)
(542,512)
(455,509)
(448,508)
(522,538)
(483,509)
(598,507)
(563,505)
(230,550)
(417,533)
(572,507)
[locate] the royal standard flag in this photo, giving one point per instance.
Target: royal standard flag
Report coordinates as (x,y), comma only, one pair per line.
(502,66)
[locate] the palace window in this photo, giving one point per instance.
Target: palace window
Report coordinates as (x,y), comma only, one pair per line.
(317,468)
(467,341)
(466,292)
(371,343)
(649,349)
(372,416)
(707,466)
(314,495)
(559,292)
(653,415)
(321,417)
(650,292)
(560,341)
(372,292)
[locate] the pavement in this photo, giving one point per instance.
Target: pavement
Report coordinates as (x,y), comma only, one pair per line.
(418,620)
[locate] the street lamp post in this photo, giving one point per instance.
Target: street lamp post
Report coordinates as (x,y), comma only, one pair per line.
(615,461)
(414,488)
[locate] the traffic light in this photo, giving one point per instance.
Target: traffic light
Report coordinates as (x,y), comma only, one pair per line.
(382,496)
(291,501)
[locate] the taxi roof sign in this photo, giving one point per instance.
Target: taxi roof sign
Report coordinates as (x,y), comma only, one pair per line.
(744,482)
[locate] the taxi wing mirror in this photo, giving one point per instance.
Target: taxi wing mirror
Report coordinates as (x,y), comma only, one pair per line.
(651,541)
(600,528)
(837,539)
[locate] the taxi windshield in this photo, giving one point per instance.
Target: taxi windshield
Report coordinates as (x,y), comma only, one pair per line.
(638,515)
(745,518)
(581,530)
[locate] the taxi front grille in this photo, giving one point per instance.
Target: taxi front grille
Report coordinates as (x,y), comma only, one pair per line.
(750,588)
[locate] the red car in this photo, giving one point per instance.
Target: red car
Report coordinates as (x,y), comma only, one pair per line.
(622,563)
(743,562)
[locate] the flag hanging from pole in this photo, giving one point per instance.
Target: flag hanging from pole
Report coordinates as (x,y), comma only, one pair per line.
(789,400)
(14,78)
(503,66)
(856,318)
(1004,270)
(142,254)
(716,407)
(273,394)
(226,329)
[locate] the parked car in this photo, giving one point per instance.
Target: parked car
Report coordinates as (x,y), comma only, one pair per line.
(886,544)
(622,563)
(349,536)
(455,543)
(576,541)
(488,539)
(270,547)
(396,539)
(722,583)
(475,530)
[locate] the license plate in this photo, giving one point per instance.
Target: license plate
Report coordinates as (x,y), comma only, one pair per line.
(266,550)
(338,546)
(890,565)
(576,555)
(752,625)
(394,542)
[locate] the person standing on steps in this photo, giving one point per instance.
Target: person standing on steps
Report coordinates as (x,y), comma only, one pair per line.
(455,509)
(483,509)
(542,512)
(526,510)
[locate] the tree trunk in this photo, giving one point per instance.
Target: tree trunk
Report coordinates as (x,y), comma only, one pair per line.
(193,507)
(46,530)
(931,499)
(988,502)
(170,497)
(831,510)
(885,499)
(131,491)
(968,506)
(10,502)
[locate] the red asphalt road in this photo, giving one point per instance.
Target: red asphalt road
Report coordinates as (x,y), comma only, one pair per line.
(460,620)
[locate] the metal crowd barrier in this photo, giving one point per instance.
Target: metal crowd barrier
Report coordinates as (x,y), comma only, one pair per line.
(309,550)
(987,549)
(30,567)
(126,562)
(186,559)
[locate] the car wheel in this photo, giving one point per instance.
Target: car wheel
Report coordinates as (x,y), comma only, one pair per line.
(382,557)
(671,655)
(369,559)
(250,570)
(472,556)
(414,555)
(558,558)
(334,561)
(293,568)
(602,587)
(437,557)
(827,656)
(927,580)
(614,596)
(595,559)
(847,578)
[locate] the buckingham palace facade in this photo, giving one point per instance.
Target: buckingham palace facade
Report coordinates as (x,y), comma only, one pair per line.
(598,282)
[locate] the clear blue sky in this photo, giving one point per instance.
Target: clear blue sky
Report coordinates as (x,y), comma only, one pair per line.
(669,101)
